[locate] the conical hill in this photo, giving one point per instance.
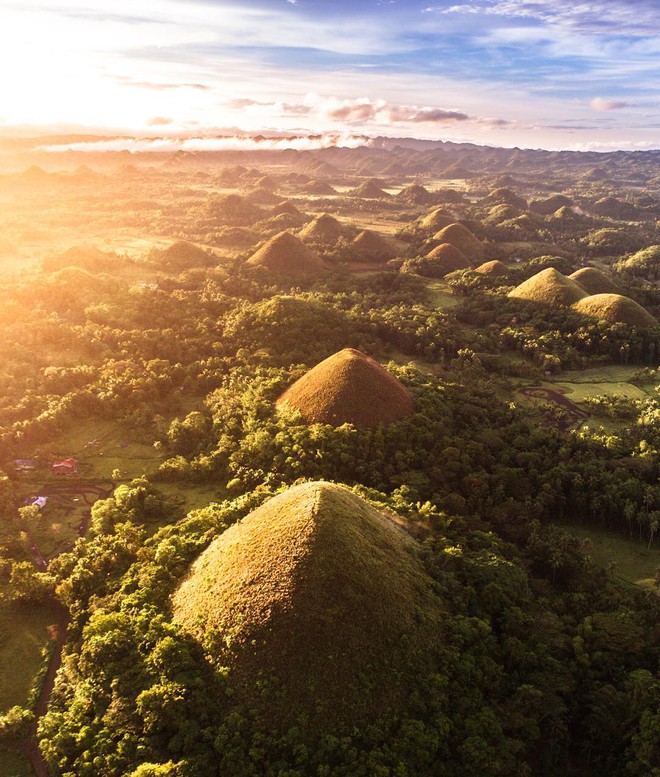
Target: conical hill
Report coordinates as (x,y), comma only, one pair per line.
(461,237)
(448,258)
(323,229)
(285,253)
(369,190)
(348,387)
(615,308)
(437,219)
(415,195)
(322,596)
(371,245)
(494,267)
(594,281)
(549,287)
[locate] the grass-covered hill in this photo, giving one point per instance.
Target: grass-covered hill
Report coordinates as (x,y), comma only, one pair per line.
(348,387)
(286,253)
(322,596)
(549,287)
(615,308)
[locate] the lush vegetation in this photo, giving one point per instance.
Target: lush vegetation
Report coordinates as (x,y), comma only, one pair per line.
(158,370)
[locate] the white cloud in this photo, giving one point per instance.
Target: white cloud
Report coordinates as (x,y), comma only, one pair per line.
(363,111)
(599,104)
(230,143)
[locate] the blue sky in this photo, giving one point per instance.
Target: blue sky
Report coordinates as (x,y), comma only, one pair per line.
(502,72)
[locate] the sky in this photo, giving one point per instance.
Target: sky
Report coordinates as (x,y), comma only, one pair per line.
(543,74)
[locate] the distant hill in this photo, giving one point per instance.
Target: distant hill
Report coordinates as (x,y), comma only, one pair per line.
(494,267)
(549,287)
(285,253)
(349,387)
(615,308)
(461,237)
(594,281)
(369,190)
(323,229)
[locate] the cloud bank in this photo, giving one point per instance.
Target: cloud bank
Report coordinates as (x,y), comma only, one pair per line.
(196,144)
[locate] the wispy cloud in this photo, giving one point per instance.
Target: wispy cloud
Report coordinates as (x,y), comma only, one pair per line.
(162,87)
(599,104)
(634,17)
(364,111)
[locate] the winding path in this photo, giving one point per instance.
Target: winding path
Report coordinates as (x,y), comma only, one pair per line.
(574,414)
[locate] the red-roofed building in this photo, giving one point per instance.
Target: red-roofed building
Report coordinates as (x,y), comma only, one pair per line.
(65,467)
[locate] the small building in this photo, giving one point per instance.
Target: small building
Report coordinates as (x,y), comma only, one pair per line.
(36,501)
(24,465)
(65,467)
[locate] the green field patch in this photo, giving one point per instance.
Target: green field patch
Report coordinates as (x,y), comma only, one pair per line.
(191,497)
(403,359)
(613,373)
(579,392)
(632,560)
(102,447)
(441,296)
(58,525)
(13,764)
(23,637)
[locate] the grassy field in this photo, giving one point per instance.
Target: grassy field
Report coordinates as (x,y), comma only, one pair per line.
(441,296)
(103,446)
(609,374)
(193,497)
(13,764)
(23,635)
(578,392)
(632,560)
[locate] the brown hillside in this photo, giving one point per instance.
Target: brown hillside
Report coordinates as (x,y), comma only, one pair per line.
(266,182)
(596,174)
(594,281)
(549,287)
(447,259)
(231,210)
(456,171)
(436,220)
(285,207)
(285,253)
(371,246)
(261,196)
(236,236)
(319,187)
(283,222)
(369,190)
(499,213)
(322,596)
(348,387)
(463,239)
(550,205)
(415,195)
(323,229)
(504,196)
(180,255)
(615,308)
(495,268)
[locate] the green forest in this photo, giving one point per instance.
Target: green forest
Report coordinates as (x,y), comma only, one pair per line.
(414,420)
